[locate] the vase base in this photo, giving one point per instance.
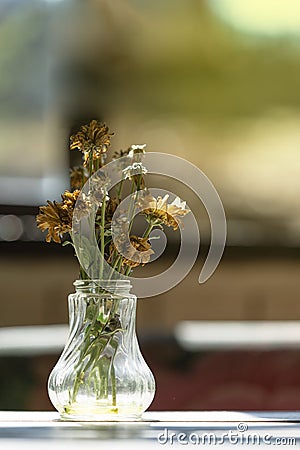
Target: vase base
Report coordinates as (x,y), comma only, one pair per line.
(99,418)
(100,414)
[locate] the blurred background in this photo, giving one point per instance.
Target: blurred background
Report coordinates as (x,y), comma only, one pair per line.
(214,81)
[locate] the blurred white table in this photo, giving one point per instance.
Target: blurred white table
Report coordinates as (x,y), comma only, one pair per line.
(44,430)
(33,340)
(190,335)
(230,335)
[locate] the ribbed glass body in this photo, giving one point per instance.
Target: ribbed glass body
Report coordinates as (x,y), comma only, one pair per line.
(101,373)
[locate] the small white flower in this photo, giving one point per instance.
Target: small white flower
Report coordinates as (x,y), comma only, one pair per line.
(136,168)
(136,149)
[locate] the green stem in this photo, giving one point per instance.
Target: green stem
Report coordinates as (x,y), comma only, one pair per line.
(83,178)
(93,352)
(119,264)
(91,164)
(102,240)
(148,230)
(82,274)
(113,386)
(116,263)
(131,207)
(77,383)
(119,191)
(127,271)
(113,379)
(95,348)
(138,185)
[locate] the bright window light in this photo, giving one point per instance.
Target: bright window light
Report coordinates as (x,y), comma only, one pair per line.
(261,16)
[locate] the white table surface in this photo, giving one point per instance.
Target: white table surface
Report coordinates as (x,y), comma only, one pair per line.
(44,430)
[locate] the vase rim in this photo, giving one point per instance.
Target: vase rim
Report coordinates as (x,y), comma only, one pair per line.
(100,282)
(110,285)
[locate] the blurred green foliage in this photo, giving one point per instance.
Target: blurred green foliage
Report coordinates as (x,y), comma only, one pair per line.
(197,66)
(22,58)
(180,60)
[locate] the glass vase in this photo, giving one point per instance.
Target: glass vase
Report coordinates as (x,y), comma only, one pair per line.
(101,373)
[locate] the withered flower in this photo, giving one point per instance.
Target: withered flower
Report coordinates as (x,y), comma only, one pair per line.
(56,218)
(69,198)
(138,253)
(83,204)
(142,253)
(120,249)
(159,210)
(92,140)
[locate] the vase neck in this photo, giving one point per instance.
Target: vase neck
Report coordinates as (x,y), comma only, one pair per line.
(120,287)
